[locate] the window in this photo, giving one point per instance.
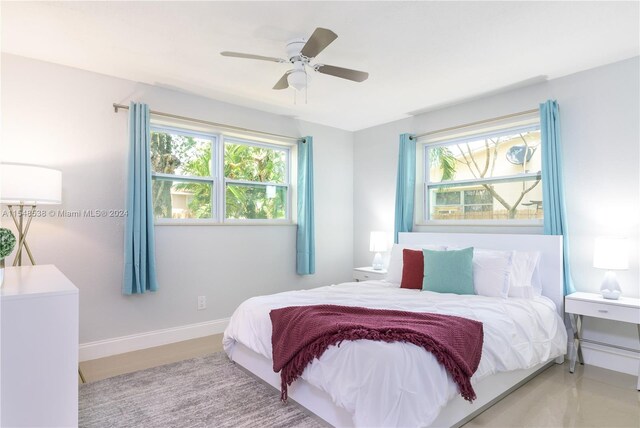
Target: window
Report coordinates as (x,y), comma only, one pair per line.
(209,177)
(256,181)
(486,176)
(183,171)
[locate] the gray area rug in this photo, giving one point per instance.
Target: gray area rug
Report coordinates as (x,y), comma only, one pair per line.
(208,391)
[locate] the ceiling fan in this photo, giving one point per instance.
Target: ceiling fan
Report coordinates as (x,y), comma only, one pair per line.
(300,53)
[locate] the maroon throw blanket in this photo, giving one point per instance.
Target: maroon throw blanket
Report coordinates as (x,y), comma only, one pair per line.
(302,333)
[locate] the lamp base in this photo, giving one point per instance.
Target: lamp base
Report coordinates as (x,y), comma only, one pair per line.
(610,289)
(22,231)
(377,262)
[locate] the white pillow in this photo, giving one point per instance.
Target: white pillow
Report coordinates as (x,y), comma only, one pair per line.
(524,283)
(396,264)
(492,272)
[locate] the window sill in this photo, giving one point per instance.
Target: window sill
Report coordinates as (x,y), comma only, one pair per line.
(216,223)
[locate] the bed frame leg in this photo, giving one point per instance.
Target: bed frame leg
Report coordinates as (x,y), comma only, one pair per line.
(560,360)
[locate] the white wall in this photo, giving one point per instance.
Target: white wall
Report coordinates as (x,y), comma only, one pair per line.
(62,118)
(599,111)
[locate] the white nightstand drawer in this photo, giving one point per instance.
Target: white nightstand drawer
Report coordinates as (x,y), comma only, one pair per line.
(367,274)
(602,310)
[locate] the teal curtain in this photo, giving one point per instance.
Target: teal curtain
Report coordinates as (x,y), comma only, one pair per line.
(305,242)
(405,186)
(555,220)
(139,242)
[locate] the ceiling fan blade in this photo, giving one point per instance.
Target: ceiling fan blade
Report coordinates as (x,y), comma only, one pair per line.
(250,56)
(344,73)
(283,83)
(320,39)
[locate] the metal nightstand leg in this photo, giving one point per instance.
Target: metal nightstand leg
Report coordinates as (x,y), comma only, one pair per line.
(576,325)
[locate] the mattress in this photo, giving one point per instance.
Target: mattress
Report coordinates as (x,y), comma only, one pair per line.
(400,384)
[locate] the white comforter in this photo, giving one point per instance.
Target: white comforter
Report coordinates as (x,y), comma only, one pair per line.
(401,384)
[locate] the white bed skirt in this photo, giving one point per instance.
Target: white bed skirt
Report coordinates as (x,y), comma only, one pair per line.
(457,412)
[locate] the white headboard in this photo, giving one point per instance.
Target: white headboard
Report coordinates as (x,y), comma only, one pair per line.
(550,247)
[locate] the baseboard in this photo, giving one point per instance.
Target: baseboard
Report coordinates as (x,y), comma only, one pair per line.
(135,342)
(611,358)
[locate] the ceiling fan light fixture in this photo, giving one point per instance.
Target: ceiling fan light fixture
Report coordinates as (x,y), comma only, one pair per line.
(297,79)
(301,53)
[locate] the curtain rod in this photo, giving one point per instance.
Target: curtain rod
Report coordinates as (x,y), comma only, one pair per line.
(116,107)
(480,122)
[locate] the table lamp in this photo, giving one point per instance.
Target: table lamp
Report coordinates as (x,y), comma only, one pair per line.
(611,254)
(378,244)
(28,186)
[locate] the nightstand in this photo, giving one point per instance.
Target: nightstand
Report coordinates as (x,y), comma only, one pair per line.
(367,273)
(625,309)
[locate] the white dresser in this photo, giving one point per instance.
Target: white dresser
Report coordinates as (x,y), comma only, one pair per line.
(38,348)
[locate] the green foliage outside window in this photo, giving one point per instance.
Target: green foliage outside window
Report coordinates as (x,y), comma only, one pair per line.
(163,161)
(256,202)
(200,202)
(255,164)
(187,156)
(176,154)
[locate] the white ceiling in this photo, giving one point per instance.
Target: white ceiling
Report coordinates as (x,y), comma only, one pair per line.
(420,55)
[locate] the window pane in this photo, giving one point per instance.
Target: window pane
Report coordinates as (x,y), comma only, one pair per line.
(173,153)
(499,201)
(444,197)
(181,199)
(251,163)
(477,196)
(255,201)
(486,157)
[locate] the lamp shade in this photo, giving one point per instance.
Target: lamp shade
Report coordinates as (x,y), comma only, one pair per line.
(297,79)
(30,184)
(611,253)
(378,242)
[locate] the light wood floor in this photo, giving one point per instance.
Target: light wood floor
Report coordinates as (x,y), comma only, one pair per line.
(591,397)
(115,365)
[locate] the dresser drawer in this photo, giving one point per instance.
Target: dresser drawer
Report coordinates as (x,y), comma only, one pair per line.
(360,275)
(602,310)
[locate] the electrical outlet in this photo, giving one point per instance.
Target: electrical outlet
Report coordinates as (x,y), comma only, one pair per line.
(202,302)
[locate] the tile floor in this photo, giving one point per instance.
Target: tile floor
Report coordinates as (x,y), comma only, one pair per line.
(591,397)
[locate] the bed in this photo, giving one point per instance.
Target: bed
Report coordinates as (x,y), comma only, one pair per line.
(366,383)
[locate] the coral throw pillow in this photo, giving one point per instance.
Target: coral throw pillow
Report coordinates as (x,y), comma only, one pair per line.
(412,269)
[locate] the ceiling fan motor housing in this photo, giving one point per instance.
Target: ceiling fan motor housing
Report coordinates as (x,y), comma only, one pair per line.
(293,49)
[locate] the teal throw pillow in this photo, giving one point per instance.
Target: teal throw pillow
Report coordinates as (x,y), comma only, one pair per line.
(448,271)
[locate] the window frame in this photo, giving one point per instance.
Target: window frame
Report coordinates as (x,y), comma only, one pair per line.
(286,184)
(212,179)
(427,185)
(219,181)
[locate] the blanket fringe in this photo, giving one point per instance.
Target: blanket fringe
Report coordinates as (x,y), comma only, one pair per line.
(294,368)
